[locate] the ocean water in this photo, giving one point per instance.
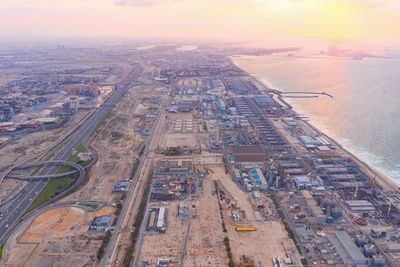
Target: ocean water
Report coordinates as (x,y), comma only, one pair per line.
(363,116)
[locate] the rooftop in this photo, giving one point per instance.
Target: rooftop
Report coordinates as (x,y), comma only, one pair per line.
(247,150)
(249,158)
(347,249)
(302,179)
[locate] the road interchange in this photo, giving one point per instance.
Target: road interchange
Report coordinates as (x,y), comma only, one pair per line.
(12,214)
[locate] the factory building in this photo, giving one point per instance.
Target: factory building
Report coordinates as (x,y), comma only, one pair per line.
(309,141)
(249,155)
(161,220)
(347,249)
(263,99)
(378,261)
(260,178)
(268,134)
(359,206)
(175,167)
(316,211)
(302,182)
(361,240)
(121,187)
(369,250)
(101,223)
(290,122)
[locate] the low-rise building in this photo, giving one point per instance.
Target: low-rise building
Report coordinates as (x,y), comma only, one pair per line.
(302,182)
(101,223)
(347,249)
(316,211)
(359,206)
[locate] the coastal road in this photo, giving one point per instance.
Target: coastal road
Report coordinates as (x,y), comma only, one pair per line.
(15,210)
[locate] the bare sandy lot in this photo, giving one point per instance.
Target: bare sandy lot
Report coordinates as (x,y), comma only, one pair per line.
(59,237)
(270,240)
(168,245)
(206,246)
(172,140)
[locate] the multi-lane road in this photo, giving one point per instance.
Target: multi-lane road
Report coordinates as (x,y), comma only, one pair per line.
(15,209)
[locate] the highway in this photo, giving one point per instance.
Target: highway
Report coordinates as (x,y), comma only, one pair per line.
(41,163)
(11,215)
(36,212)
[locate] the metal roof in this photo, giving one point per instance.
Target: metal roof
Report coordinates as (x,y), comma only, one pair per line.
(247,150)
(302,179)
(347,249)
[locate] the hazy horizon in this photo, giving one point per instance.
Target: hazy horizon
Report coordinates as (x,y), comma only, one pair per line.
(337,22)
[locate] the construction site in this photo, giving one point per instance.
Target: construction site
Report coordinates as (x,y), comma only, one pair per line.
(200,164)
(74,234)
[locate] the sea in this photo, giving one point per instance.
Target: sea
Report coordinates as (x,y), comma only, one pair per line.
(364,113)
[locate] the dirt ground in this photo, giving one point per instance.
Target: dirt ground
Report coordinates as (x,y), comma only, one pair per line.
(167,245)
(173,140)
(270,240)
(116,157)
(206,237)
(206,245)
(59,237)
(262,249)
(240,197)
(28,145)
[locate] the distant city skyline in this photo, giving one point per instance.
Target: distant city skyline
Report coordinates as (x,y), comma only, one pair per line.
(335,21)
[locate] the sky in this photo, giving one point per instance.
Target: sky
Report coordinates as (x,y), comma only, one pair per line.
(240,20)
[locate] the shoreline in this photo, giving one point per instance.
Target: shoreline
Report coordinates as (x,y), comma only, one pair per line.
(382,179)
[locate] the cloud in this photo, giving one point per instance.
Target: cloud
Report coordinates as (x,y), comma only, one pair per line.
(142,2)
(157,2)
(368,3)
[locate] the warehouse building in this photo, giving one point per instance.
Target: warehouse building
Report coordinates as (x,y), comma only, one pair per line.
(121,187)
(348,251)
(359,206)
(309,141)
(316,211)
(101,223)
(302,182)
(161,220)
(249,154)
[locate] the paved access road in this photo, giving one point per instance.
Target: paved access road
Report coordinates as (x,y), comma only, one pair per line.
(127,205)
(10,217)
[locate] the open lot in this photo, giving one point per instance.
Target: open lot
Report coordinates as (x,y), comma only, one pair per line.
(173,140)
(275,242)
(167,245)
(58,237)
(206,246)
